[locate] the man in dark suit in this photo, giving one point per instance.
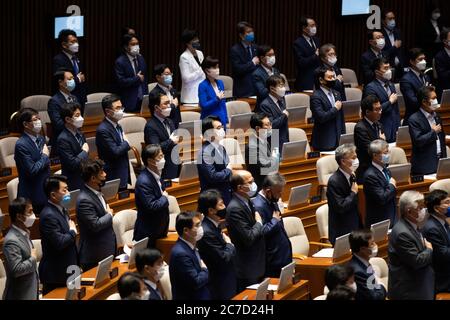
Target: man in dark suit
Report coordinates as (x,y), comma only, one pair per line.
(65,82)
(160,130)
(380,188)
(58,236)
(427,134)
(384,90)
(131,286)
(411,275)
(213,164)
(151,266)
(429,36)
(306,53)
(393,47)
(442,63)
(244,60)
(367,130)
(437,231)
(342,194)
(22,279)
(266,68)
(216,248)
(95,217)
(363,248)
(131,74)
(72,146)
(412,81)
(274,107)
(68,59)
(112,145)
(245,227)
(328,58)
(151,198)
(376,45)
(326,108)
(189,275)
(32,159)
(164,78)
(278,245)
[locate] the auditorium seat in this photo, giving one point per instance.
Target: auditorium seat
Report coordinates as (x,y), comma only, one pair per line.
(2,279)
(326,166)
(353,94)
(7,147)
(441,185)
(93,154)
(165,283)
(114,296)
(12,187)
(296,134)
(152,86)
(40,104)
(350,78)
(187,116)
(299,100)
(133,129)
(321,297)
(398,156)
(97,97)
(38,246)
(123,225)
(350,127)
(288,88)
(174,210)
(237,107)
(228,85)
(381,269)
(322,222)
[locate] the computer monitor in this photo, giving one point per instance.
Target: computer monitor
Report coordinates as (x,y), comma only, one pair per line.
(299,195)
(355,7)
(188,171)
(286,275)
(73,200)
(144,104)
(110,189)
(294,150)
(240,121)
(297,114)
(341,246)
(346,138)
(261,292)
(403,136)
(380,230)
(190,126)
(443,171)
(445,100)
(138,246)
(352,109)
(401,172)
(75,23)
(103,269)
(93,110)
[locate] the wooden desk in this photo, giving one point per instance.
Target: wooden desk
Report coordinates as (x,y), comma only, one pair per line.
(298,291)
(308,216)
(298,173)
(186,194)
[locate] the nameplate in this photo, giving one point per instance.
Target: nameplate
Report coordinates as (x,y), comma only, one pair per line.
(315,199)
(417,179)
(314,155)
(55,161)
(6,172)
(167,183)
(123,194)
(310,120)
(81,293)
(114,273)
(296,278)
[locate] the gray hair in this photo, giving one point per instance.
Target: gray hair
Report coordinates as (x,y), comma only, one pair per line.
(343,151)
(272,180)
(409,200)
(377,147)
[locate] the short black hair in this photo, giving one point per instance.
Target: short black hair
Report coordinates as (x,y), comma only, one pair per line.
(107,101)
(91,168)
(274,81)
(18,206)
(147,257)
(385,12)
(128,284)
(188,35)
(242,26)
(207,123)
(208,199)
(379,62)
(126,30)
(52,184)
(367,103)
(185,220)
(342,293)
(414,53)
(371,34)
(150,152)
(434,198)
(319,73)
(424,93)
(25,115)
(126,39)
(64,35)
(60,75)
(444,34)
(154,99)
(304,21)
(257,120)
(359,239)
(209,62)
(263,50)
(159,69)
(337,275)
(236,180)
(69,109)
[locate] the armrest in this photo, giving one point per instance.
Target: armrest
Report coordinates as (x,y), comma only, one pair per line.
(299,256)
(324,240)
(137,156)
(320,244)
(320,189)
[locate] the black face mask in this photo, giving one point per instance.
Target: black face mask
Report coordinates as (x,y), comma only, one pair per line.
(330,83)
(196,45)
(222,213)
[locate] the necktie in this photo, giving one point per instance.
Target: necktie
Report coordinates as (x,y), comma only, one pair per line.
(386,174)
(377,129)
(136,71)
(120,132)
(197,255)
(387,88)
(39,144)
(167,125)
(423,79)
(313,45)
(159,290)
(76,69)
(66,214)
(79,139)
(352,179)
(280,104)
(332,100)
(250,53)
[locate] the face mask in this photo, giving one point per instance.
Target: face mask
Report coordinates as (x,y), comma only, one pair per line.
(355,164)
(250,37)
(29,221)
(281,92)
(271,61)
(435,104)
(374,251)
(253,189)
(214,73)
(422,65)
(146,295)
(222,213)
(168,80)
(381,43)
(391,24)
(78,122)
(386,158)
(74,47)
(312,31)
(265,133)
(37,126)
(118,115)
(160,164)
(134,50)
(330,83)
(220,134)
(435,16)
(160,273)
(70,85)
(199,235)
(196,45)
(387,75)
(353,287)
(166,112)
(65,201)
(422,215)
(332,61)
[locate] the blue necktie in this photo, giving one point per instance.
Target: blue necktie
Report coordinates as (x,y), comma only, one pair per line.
(386,174)
(120,132)
(79,139)
(76,69)
(250,53)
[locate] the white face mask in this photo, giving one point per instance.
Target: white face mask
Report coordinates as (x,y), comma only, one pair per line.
(135,50)
(422,65)
(29,221)
(220,134)
(355,164)
(271,61)
(160,164)
(214,73)
(118,115)
(281,92)
(435,104)
(388,75)
(332,61)
(199,235)
(435,16)
(353,286)
(381,43)
(265,133)
(78,122)
(160,273)
(253,189)
(37,126)
(74,47)
(166,112)
(422,215)
(312,31)
(374,252)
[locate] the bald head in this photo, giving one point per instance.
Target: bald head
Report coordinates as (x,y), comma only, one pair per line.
(241,182)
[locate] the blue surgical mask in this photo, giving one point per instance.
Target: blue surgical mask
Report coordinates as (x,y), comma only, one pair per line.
(168,80)
(65,200)
(250,37)
(253,190)
(391,24)
(70,84)
(386,158)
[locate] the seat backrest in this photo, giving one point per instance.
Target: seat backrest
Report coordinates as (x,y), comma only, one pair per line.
(321,297)
(123,225)
(398,156)
(350,77)
(152,86)
(353,94)
(299,100)
(114,296)
(233,150)
(322,221)
(133,128)
(7,146)
(39,102)
(228,85)
(286,85)
(187,116)
(174,210)
(397,88)
(165,283)
(381,269)
(443,185)
(297,134)
(297,235)
(326,166)
(12,187)
(97,97)
(2,279)
(350,127)
(38,246)
(237,107)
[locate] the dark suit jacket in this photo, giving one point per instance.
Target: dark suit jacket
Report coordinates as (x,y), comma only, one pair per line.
(61,60)
(54,108)
(97,237)
(248,237)
(175,115)
(393,52)
(154,296)
(258,157)
(213,172)
(260,77)
(156,133)
(363,276)
(364,134)
(409,86)
(33,169)
(210,103)
(189,281)
(278,119)
(329,122)
(59,250)
(343,216)
(439,237)
(366,61)
(128,82)
(219,258)
(71,156)
(427,39)
(424,149)
(278,245)
(153,209)
(242,67)
(307,62)
(411,275)
(339,87)
(442,67)
(390,117)
(113,152)
(380,197)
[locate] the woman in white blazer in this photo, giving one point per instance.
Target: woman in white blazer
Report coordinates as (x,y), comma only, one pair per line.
(190,66)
